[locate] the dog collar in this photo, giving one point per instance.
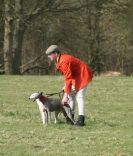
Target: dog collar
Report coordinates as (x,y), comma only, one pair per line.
(42,99)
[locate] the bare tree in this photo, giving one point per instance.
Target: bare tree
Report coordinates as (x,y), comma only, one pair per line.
(16,22)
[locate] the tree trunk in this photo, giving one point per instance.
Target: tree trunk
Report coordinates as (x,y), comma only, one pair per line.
(8,40)
(17,37)
(13,37)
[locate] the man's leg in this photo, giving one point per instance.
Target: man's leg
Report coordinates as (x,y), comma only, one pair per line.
(80,101)
(71,102)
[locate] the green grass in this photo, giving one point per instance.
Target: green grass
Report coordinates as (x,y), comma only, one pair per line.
(109,119)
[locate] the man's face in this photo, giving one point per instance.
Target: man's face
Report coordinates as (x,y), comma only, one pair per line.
(52,56)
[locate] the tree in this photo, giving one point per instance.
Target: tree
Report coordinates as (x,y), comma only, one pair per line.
(91,17)
(116,31)
(1,36)
(98,32)
(13,36)
(17,19)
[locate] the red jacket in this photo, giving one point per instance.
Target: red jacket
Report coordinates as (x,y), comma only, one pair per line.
(75,72)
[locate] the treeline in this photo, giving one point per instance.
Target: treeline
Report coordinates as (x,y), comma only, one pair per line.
(97,31)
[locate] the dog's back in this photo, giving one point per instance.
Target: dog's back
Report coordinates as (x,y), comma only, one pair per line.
(53,104)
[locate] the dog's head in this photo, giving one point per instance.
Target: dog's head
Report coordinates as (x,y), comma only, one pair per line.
(35,96)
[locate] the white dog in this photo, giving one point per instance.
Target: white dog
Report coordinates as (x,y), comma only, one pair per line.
(47,105)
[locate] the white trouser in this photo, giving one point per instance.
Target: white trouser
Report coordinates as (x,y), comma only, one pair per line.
(79,98)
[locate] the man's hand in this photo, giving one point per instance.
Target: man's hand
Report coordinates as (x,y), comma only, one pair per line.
(63,88)
(65,98)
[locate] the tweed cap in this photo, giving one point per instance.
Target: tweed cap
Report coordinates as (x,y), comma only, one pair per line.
(51,49)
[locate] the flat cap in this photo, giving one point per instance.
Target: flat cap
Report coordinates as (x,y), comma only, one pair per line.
(51,49)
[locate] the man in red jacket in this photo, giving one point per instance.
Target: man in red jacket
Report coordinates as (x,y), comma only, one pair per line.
(77,76)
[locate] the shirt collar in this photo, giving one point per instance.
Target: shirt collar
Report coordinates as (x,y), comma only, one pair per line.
(58,58)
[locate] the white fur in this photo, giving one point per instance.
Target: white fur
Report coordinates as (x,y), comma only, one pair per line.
(42,110)
(33,96)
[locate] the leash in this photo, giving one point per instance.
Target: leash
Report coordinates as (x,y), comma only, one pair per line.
(59,93)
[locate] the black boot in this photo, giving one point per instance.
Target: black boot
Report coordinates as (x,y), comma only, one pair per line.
(69,121)
(80,121)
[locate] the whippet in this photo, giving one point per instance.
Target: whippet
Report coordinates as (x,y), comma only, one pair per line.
(47,105)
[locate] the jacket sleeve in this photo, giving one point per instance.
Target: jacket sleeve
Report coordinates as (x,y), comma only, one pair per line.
(65,67)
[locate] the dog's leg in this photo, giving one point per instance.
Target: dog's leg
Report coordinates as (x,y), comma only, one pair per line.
(43,111)
(49,116)
(44,117)
(56,117)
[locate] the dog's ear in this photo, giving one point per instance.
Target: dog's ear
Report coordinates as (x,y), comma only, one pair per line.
(41,93)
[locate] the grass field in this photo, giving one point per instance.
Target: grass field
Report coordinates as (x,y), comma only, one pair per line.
(109,119)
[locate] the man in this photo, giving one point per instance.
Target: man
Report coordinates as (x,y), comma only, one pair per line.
(77,76)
